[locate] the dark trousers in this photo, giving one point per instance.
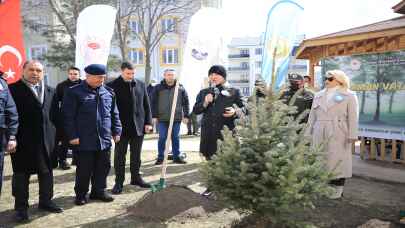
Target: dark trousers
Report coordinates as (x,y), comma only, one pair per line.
(338,182)
(20,188)
(192,124)
(1,168)
(94,166)
(120,153)
(63,150)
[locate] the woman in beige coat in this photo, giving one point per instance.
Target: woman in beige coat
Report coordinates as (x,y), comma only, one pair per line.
(333,120)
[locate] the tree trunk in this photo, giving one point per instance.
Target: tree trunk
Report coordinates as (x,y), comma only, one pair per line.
(363,102)
(378,95)
(391,101)
(148,67)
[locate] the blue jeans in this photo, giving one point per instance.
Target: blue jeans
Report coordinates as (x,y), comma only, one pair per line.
(163,129)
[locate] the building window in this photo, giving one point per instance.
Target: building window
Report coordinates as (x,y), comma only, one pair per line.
(37,52)
(134,26)
(244,52)
(259,64)
(244,65)
(244,77)
(136,56)
(245,91)
(170,56)
(258,51)
(169,24)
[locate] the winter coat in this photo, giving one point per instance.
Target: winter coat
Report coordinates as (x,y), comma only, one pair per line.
(213,120)
(334,123)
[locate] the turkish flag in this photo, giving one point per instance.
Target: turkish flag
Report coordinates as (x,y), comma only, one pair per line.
(12,52)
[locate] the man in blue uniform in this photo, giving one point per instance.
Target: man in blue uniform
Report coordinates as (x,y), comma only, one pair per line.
(8,123)
(91,120)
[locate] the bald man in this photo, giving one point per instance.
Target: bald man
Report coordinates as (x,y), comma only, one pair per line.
(36,139)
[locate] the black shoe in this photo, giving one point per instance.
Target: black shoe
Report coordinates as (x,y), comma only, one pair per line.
(50,207)
(206,193)
(189,133)
(80,201)
(21,216)
(105,197)
(63,165)
(159,162)
(140,182)
(117,189)
(179,161)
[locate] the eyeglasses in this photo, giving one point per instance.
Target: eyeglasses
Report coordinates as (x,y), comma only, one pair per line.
(330,79)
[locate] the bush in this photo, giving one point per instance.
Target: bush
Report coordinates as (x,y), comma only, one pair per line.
(269,169)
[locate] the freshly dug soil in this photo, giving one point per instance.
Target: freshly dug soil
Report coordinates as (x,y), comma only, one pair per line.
(173,202)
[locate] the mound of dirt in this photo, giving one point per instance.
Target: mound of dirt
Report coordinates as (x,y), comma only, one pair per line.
(173,202)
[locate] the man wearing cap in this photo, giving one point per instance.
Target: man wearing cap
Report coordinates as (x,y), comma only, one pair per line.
(162,100)
(8,123)
(34,154)
(62,143)
(303,97)
(136,118)
(220,105)
(91,121)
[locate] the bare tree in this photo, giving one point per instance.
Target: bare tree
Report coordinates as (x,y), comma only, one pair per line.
(149,15)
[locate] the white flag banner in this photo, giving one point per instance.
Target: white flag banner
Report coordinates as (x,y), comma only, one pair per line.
(205,46)
(95,28)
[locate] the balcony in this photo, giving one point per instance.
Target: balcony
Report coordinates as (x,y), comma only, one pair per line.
(238,68)
(240,81)
(238,56)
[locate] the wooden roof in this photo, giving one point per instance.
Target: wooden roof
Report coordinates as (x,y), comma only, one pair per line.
(400,7)
(356,40)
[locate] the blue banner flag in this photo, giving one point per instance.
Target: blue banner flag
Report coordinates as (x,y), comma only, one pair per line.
(281,31)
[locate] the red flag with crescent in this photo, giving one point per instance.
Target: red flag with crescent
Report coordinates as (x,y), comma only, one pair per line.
(12,52)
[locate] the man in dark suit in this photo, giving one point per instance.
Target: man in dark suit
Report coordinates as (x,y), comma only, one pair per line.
(136,118)
(36,139)
(8,123)
(91,121)
(62,142)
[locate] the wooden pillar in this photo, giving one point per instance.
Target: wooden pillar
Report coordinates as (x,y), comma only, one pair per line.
(382,149)
(312,64)
(373,152)
(394,150)
(362,147)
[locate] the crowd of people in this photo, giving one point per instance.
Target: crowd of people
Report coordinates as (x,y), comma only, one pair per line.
(40,125)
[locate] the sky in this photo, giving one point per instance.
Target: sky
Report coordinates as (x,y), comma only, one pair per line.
(248,17)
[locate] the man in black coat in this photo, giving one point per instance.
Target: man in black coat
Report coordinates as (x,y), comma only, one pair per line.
(220,106)
(135,115)
(61,140)
(36,139)
(8,124)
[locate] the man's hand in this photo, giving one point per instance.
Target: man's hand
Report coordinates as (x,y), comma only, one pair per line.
(148,128)
(116,138)
(209,98)
(185,120)
(11,146)
(229,112)
(74,142)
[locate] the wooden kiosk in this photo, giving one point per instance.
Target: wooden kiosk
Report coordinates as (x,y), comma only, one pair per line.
(380,37)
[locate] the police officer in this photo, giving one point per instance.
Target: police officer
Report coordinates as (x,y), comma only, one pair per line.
(91,121)
(303,99)
(62,143)
(8,123)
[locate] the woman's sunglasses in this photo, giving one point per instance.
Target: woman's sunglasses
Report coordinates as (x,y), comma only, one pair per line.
(330,79)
